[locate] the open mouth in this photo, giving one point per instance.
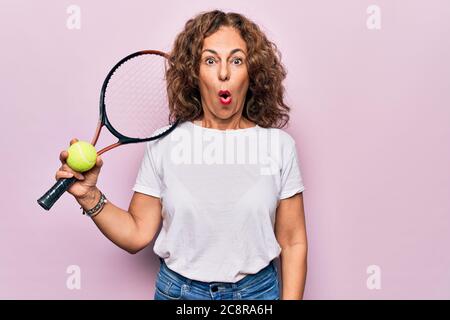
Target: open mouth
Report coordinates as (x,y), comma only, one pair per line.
(225,96)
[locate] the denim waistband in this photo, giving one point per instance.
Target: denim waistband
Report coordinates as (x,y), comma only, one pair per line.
(248,279)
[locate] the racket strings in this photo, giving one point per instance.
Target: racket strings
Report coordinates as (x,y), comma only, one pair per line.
(136,97)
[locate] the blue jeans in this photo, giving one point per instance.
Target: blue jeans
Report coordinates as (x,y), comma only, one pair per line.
(263,285)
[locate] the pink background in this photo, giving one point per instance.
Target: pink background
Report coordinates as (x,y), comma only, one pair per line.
(370,114)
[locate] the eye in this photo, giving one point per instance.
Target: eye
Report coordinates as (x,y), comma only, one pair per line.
(238,60)
(208,60)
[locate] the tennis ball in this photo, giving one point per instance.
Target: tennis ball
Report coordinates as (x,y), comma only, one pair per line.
(82,156)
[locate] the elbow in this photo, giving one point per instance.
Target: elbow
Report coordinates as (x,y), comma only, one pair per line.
(134,250)
(137,244)
(130,251)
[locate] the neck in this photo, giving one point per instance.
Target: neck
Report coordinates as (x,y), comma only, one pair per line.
(239,122)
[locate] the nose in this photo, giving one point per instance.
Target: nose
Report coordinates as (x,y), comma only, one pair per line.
(224,72)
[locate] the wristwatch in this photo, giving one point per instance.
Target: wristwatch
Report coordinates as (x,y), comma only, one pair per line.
(98,207)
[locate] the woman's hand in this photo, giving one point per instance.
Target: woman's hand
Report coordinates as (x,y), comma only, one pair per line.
(86,181)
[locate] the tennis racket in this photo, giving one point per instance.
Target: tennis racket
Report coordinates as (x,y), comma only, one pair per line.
(133,106)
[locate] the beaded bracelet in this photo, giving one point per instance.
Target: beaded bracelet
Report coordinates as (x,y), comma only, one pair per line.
(98,207)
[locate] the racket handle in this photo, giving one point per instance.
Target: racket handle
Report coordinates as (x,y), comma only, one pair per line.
(51,196)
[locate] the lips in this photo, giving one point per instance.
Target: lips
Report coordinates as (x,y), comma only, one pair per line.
(225,96)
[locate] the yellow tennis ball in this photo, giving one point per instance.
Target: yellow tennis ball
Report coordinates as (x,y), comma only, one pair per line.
(82,156)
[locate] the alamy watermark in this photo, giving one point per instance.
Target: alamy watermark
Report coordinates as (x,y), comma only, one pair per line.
(74,280)
(373,282)
(73,21)
(212,147)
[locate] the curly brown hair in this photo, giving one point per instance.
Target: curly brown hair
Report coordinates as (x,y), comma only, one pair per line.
(264,103)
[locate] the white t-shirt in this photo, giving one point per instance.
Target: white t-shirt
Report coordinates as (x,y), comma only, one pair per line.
(219,191)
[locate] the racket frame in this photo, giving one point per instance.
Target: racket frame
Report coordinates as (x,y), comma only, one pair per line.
(60,187)
(103,119)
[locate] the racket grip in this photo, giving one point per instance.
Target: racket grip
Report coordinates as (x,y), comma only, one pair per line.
(54,193)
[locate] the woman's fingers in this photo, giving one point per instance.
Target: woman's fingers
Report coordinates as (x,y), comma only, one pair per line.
(99,162)
(77,175)
(63,156)
(67,174)
(63,175)
(65,171)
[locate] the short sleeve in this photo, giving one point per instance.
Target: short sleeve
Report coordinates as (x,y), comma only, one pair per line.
(148,180)
(291,178)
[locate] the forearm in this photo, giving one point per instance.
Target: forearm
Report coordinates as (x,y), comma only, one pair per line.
(116,224)
(293,271)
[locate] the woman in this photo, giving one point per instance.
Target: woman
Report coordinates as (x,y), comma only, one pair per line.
(226,217)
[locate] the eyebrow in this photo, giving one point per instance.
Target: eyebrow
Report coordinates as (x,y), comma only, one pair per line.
(231,52)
